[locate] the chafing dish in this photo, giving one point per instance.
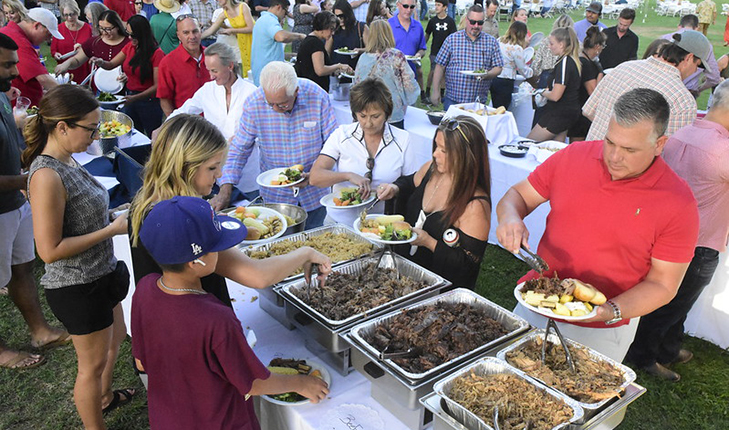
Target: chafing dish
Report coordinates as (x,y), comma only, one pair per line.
(590,409)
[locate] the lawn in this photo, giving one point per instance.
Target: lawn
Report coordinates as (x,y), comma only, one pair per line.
(42,398)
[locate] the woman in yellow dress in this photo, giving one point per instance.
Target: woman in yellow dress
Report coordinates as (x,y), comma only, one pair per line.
(241,22)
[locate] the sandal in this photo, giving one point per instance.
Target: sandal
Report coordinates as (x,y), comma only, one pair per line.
(117,401)
(23,360)
(63,339)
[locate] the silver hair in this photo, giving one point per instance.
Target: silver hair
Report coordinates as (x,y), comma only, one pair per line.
(643,104)
(277,75)
(720,99)
(225,54)
(95,9)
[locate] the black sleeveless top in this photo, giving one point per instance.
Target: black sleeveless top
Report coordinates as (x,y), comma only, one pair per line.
(458,261)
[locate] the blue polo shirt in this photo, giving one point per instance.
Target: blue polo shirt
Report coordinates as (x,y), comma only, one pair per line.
(266,49)
(407,41)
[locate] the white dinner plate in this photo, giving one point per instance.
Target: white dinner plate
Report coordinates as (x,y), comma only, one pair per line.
(106,80)
(548,312)
(314,366)
(413,58)
(328,201)
(265,213)
(265,178)
(376,238)
(474,74)
(106,105)
(350,53)
(346,75)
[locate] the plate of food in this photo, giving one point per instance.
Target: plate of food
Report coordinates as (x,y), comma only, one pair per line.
(478,73)
(263,224)
(346,198)
(568,299)
(32,111)
(281,177)
(346,51)
(385,229)
(514,151)
(291,366)
(108,100)
(414,58)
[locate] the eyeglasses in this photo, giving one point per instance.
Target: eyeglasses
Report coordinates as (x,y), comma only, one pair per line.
(452,124)
(370,167)
(93,130)
(68,15)
(282,106)
(408,6)
(106,29)
(475,22)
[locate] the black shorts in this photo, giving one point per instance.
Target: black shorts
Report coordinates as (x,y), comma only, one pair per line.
(557,119)
(87,308)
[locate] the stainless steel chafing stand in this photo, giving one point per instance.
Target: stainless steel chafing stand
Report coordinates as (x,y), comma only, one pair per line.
(326,337)
(398,393)
(270,301)
(608,418)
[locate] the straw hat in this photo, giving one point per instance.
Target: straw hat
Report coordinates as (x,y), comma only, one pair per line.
(169,6)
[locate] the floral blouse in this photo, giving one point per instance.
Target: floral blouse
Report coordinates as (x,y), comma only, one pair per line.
(513,56)
(543,58)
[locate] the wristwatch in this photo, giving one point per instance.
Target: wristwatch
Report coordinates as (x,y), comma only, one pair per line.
(617,315)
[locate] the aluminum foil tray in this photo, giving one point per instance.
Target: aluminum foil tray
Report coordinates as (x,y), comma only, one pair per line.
(513,323)
(336,229)
(628,373)
(489,366)
(404,267)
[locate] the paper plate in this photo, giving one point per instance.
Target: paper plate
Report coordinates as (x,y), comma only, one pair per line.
(315,365)
(350,53)
(265,178)
(265,213)
(328,201)
(413,58)
(111,105)
(536,39)
(105,80)
(375,238)
(548,312)
(474,74)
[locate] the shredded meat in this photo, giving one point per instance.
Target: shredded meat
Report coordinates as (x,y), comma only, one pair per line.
(519,402)
(345,295)
(593,382)
(548,286)
(438,334)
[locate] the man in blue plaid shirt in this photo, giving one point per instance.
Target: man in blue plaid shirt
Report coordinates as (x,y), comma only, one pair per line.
(467,50)
(289,119)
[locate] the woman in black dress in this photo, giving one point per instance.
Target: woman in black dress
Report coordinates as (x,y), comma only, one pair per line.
(312,61)
(591,74)
(448,201)
(563,106)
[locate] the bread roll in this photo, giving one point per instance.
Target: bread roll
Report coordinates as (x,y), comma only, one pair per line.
(586,292)
(253,233)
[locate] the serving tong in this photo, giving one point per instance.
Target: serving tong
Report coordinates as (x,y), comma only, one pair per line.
(533,260)
(363,214)
(546,344)
(308,280)
(412,351)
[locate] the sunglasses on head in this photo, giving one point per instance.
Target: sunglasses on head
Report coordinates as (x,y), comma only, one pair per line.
(408,6)
(184,17)
(476,22)
(452,124)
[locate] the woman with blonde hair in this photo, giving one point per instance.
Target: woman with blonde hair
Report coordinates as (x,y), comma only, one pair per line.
(562,95)
(14,11)
(448,201)
(186,160)
(241,22)
(512,46)
(83,281)
(544,60)
(382,60)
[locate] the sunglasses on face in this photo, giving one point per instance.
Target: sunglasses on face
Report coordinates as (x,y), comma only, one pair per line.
(408,6)
(340,16)
(476,22)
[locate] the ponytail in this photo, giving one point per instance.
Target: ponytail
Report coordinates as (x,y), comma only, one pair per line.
(571,44)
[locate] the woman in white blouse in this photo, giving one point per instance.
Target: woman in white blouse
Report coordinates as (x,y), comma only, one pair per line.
(221,102)
(512,51)
(365,153)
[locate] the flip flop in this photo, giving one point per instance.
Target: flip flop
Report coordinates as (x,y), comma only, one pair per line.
(23,360)
(63,339)
(117,401)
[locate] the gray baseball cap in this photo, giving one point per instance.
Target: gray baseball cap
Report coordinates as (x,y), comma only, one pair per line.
(695,43)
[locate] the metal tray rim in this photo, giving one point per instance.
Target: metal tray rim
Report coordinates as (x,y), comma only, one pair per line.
(355,335)
(628,373)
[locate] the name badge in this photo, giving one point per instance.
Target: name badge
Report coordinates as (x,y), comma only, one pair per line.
(309,124)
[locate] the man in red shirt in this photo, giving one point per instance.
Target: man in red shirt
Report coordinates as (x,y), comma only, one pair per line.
(33,77)
(620,219)
(182,71)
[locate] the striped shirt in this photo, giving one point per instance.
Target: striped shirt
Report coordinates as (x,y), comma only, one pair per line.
(284,139)
(650,73)
(460,53)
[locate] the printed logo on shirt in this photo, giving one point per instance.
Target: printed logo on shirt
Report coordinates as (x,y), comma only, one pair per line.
(441,26)
(7,108)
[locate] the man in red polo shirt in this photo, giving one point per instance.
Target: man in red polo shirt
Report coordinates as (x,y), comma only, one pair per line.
(182,71)
(620,219)
(33,77)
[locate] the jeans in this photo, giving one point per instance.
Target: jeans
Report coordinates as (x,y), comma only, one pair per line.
(501,90)
(207,42)
(452,10)
(423,10)
(660,333)
(447,103)
(315,218)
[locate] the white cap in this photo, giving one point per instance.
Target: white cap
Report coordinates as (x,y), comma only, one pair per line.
(45,17)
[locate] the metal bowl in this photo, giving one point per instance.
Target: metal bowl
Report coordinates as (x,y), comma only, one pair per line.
(435,117)
(107,144)
(298,214)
